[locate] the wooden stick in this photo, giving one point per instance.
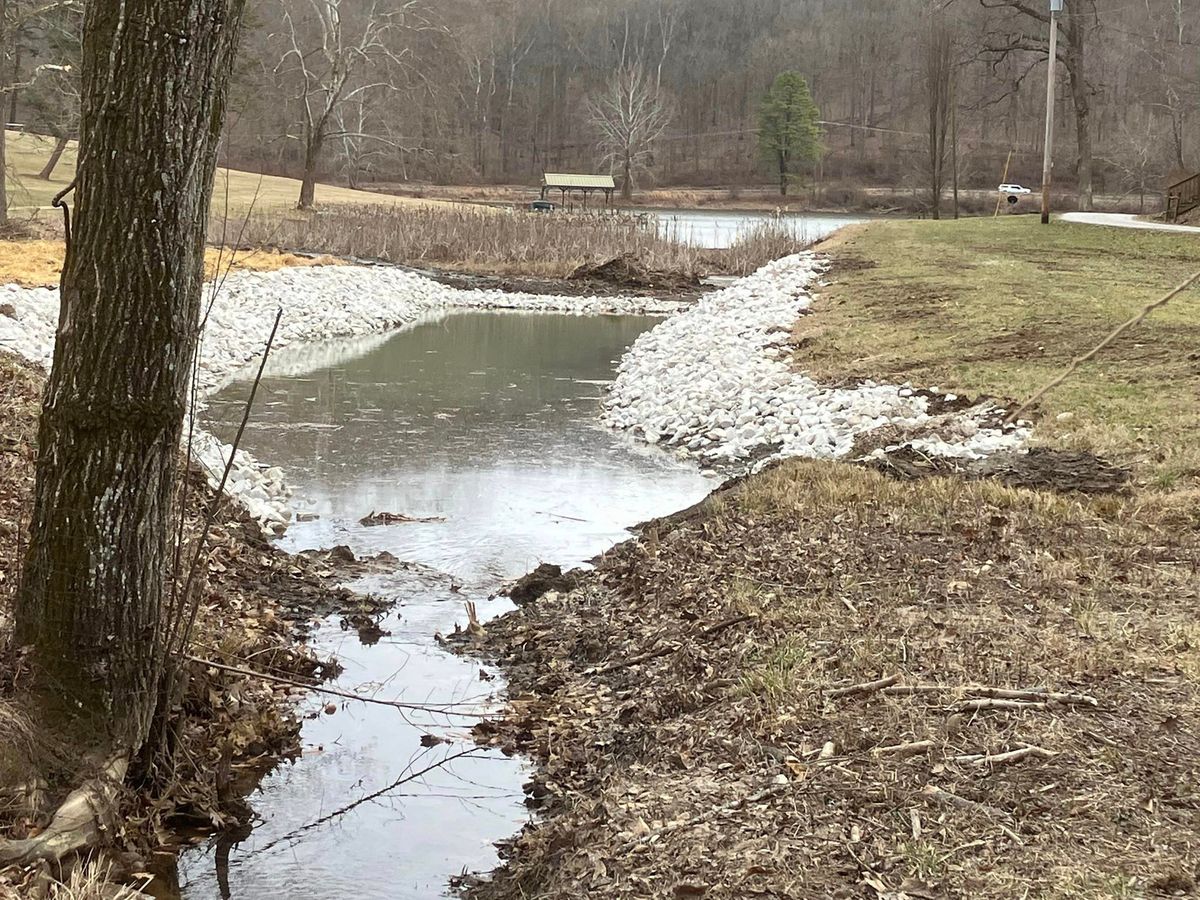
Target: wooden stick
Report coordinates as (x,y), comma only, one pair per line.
(867,687)
(1050,697)
(1035,694)
(1116,333)
(978,705)
(912,748)
(998,759)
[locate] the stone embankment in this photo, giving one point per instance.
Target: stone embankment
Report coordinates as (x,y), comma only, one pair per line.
(718,382)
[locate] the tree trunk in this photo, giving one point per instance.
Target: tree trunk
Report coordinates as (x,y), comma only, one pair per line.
(783,175)
(627,179)
(92,594)
(60,146)
(3,174)
(1082,104)
(3,130)
(308,184)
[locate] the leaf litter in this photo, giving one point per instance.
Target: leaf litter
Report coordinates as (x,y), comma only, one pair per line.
(827,682)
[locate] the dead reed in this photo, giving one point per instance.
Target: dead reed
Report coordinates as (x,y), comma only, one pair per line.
(506,242)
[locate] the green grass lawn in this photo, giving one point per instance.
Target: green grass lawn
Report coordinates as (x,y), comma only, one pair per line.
(1001,306)
(27,154)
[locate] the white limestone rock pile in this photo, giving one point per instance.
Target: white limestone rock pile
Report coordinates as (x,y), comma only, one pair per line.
(716,380)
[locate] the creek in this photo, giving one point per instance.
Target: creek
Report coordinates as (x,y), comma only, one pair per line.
(488,423)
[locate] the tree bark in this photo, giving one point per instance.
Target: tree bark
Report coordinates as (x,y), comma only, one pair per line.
(308,183)
(91,598)
(1080,91)
(4,41)
(60,146)
(627,179)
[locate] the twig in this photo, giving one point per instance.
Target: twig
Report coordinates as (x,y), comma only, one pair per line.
(912,748)
(998,759)
(332,692)
(555,515)
(978,705)
(1116,333)
(172,647)
(1050,697)
(867,687)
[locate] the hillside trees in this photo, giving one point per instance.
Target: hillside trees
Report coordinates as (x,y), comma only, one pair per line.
(334,52)
(630,115)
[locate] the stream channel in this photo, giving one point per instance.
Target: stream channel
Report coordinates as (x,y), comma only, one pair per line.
(491,422)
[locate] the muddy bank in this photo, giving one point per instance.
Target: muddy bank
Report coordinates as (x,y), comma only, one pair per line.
(828,682)
(257,606)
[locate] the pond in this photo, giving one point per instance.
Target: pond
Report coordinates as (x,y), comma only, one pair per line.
(489,424)
(714,229)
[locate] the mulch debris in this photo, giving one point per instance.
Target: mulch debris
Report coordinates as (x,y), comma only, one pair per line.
(829,683)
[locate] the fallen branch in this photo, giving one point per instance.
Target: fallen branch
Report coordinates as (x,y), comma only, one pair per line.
(1039,695)
(979,705)
(1012,756)
(442,709)
(867,687)
(912,748)
(1116,333)
(1050,697)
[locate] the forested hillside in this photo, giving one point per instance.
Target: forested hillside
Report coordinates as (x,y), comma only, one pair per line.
(496,91)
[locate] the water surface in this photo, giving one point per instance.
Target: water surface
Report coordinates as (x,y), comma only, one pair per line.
(489,422)
(718,229)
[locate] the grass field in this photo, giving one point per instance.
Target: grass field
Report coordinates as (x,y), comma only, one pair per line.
(27,154)
(999,307)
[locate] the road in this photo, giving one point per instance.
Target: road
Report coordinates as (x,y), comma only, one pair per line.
(1124,220)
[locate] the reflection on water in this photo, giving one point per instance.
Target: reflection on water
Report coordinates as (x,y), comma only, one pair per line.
(490,421)
(714,229)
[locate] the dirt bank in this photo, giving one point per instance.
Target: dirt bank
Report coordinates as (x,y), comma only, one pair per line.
(798,689)
(230,729)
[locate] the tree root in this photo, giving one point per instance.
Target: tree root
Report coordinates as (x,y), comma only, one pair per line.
(79,822)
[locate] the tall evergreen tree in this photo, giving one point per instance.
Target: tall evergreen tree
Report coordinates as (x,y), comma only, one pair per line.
(789,136)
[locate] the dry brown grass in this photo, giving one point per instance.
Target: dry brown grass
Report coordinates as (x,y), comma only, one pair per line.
(487,241)
(474,240)
(38,263)
(690,761)
(233,190)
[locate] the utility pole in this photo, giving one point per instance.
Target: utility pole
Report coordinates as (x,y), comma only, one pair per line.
(1048,147)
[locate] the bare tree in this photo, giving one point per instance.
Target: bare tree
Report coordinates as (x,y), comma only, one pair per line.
(630,115)
(938,78)
(1139,158)
(1077,22)
(338,52)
